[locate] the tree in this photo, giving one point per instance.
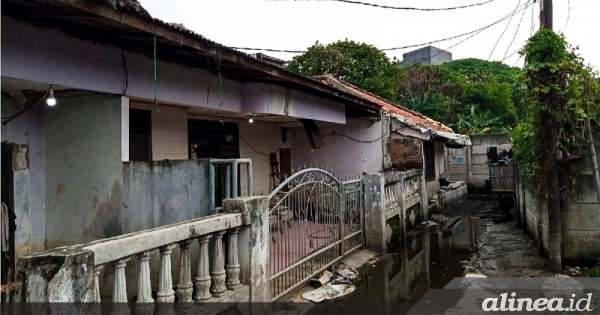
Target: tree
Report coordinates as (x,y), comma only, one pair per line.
(469,95)
(357,63)
(562,94)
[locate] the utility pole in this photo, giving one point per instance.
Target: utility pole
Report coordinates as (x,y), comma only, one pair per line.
(553,191)
(546,17)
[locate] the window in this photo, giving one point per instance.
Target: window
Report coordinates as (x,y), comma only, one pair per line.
(429,152)
(213,139)
(140,130)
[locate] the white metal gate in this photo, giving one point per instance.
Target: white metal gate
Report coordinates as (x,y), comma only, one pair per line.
(316,219)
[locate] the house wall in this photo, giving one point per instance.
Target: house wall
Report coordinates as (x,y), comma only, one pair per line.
(434,185)
(405,152)
(257,141)
(169,131)
(79,64)
(83,170)
(470,164)
(26,134)
(345,157)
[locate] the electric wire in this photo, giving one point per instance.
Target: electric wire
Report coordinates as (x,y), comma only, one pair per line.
(568,16)
(386,49)
(412,8)
(503,32)
(467,38)
(516,32)
(8,119)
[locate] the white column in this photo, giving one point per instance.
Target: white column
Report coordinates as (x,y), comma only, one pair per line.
(185,286)
(119,298)
(97,271)
(144,284)
(218,272)
(165,284)
(202,280)
(233,265)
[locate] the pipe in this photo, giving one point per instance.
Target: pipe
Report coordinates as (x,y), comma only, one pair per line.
(211,188)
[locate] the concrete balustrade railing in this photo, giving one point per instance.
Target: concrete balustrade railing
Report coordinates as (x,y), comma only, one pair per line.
(238,273)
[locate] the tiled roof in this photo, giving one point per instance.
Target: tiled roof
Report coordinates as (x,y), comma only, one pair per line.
(388,106)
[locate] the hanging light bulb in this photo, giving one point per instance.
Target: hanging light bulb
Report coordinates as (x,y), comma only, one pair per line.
(250,120)
(51,101)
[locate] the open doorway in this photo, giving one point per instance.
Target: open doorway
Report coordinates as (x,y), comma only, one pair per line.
(8,256)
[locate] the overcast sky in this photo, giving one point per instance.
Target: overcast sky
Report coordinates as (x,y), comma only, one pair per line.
(295,25)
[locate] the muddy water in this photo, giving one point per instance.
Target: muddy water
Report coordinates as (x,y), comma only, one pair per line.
(422,261)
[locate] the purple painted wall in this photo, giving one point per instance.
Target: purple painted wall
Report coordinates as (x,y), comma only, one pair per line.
(343,156)
(29,183)
(51,57)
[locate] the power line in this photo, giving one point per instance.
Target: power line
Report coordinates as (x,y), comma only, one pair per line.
(475,34)
(414,9)
(503,32)
(393,48)
(516,32)
(568,16)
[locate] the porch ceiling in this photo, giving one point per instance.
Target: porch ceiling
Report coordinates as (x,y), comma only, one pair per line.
(92,21)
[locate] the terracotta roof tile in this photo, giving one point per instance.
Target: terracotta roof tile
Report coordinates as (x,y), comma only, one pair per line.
(385,104)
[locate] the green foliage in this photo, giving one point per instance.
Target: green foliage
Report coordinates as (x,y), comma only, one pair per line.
(595,272)
(357,63)
(559,86)
(471,95)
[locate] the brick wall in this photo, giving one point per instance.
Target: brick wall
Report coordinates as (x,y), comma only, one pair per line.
(405,153)
(264,138)
(169,131)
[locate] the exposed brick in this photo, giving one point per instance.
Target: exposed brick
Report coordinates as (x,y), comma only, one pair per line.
(405,153)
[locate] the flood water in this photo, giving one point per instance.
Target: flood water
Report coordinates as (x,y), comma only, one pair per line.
(422,261)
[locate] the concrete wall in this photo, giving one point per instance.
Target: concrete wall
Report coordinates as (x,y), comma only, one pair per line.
(79,64)
(426,56)
(164,192)
(580,223)
(470,164)
(345,157)
(83,170)
(69,186)
(169,131)
(26,134)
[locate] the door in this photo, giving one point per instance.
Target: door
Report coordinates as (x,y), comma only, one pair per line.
(7,193)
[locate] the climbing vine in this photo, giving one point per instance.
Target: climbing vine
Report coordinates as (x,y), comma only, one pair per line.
(561,92)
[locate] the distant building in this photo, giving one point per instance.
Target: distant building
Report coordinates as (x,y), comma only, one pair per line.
(268,59)
(426,56)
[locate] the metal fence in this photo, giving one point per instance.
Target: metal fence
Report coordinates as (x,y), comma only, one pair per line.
(316,219)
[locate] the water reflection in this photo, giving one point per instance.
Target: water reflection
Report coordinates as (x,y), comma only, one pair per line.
(423,260)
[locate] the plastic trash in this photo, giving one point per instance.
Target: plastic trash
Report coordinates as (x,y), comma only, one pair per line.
(328,292)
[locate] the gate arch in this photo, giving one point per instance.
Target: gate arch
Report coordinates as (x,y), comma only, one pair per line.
(315,219)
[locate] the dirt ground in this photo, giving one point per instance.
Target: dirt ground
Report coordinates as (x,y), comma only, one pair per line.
(504,250)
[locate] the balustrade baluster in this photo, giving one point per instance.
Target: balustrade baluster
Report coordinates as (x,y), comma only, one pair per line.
(144,284)
(97,299)
(97,271)
(165,284)
(218,272)
(119,297)
(184,286)
(202,280)
(233,266)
